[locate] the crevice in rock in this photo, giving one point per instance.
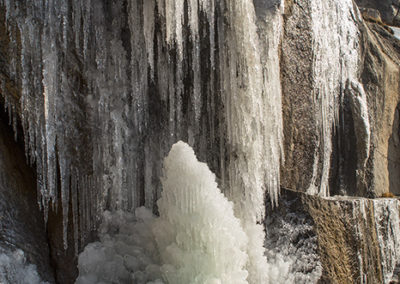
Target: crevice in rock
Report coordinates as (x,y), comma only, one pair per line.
(22,223)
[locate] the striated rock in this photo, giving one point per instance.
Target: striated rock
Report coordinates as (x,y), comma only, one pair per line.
(299,123)
(371,14)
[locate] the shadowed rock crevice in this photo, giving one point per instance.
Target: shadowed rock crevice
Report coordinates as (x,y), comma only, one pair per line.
(21,221)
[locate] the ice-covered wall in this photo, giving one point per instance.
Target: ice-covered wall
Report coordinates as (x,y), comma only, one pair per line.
(188,243)
(107,87)
(336,46)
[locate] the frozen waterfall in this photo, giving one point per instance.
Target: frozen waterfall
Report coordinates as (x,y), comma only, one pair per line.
(336,55)
(196,238)
(108,87)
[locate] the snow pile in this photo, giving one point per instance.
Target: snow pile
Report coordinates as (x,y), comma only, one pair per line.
(15,269)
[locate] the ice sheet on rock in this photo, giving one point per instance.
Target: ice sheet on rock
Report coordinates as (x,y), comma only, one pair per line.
(388,231)
(359,108)
(336,49)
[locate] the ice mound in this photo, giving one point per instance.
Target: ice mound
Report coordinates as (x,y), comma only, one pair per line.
(15,269)
(199,239)
(196,239)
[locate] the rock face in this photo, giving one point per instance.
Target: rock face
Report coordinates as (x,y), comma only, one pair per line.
(366,120)
(380,77)
(21,221)
(388,9)
(353,240)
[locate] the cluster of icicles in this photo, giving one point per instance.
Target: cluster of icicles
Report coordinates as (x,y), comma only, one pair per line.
(107,88)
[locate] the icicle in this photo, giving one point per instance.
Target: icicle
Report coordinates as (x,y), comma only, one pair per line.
(65,192)
(194,25)
(335,61)
(148,29)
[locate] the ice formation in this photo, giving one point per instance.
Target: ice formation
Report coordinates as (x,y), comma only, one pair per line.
(336,53)
(388,231)
(396,31)
(125,253)
(15,269)
(254,124)
(359,107)
(196,239)
(107,88)
(199,239)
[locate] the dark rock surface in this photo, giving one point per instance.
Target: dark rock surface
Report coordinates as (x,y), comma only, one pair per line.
(21,221)
(388,9)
